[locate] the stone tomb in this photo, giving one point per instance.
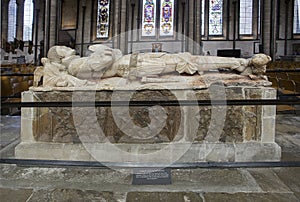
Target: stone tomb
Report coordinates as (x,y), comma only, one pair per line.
(161,134)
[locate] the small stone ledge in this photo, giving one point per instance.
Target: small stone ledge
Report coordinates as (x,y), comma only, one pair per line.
(177,152)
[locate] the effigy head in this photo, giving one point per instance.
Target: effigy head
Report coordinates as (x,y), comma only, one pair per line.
(260,61)
(56,53)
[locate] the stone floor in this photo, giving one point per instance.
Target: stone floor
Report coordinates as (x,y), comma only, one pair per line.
(25,183)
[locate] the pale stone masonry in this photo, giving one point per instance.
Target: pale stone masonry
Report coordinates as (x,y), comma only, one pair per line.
(189,133)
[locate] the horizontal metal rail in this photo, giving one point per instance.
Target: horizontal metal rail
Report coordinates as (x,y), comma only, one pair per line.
(12,96)
(288,95)
(295,101)
(283,70)
(16,74)
(194,165)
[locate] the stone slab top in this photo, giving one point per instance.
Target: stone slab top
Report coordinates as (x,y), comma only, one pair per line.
(171,82)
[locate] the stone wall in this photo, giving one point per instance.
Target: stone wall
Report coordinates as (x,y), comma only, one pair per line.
(208,133)
(56,124)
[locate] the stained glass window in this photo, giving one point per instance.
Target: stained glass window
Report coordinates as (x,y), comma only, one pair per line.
(202,17)
(166,17)
(297,17)
(246,16)
(258,20)
(215,17)
(12,20)
(28,19)
(149,18)
(103,19)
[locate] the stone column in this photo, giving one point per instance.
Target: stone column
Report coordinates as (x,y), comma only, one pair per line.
(53,23)
(50,24)
(20,19)
(37,28)
(4,22)
(192,26)
(288,16)
(122,26)
(47,25)
(83,14)
(269,27)
(197,27)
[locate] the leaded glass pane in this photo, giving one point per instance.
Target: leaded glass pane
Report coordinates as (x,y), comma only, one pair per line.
(167,18)
(28,19)
(215,17)
(258,21)
(149,18)
(12,20)
(103,19)
(202,17)
(297,17)
(246,16)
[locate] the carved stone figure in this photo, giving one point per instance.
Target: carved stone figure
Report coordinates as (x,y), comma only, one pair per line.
(55,75)
(54,72)
(94,66)
(64,68)
(153,64)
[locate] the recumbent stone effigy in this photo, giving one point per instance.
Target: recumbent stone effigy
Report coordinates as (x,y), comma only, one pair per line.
(105,62)
(207,133)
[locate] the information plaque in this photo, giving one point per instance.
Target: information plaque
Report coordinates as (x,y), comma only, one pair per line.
(151,176)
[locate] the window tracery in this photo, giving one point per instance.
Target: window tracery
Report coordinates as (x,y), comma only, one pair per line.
(162,11)
(297,17)
(12,20)
(103,19)
(216,17)
(202,17)
(246,17)
(149,18)
(28,19)
(166,18)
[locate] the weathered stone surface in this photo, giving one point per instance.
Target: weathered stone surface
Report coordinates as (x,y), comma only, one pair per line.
(253,93)
(237,197)
(163,197)
(150,129)
(62,128)
(217,180)
(10,130)
(19,183)
(61,151)
(159,153)
(71,195)
(233,126)
(140,118)
(268,181)
(213,128)
(120,180)
(268,130)
(290,177)
(257,152)
(251,120)
(220,153)
(15,195)
(288,134)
